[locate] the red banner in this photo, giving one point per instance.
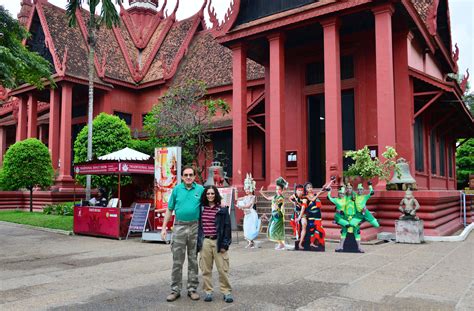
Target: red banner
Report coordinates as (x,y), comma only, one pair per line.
(113,168)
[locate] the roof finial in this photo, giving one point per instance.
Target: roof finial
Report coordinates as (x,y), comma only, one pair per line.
(161,14)
(464,81)
(173,15)
(212,15)
(201,10)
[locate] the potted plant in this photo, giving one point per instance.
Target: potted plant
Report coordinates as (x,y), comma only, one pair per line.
(367,168)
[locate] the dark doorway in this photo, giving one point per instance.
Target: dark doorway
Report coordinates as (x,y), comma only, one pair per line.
(316,140)
(348,125)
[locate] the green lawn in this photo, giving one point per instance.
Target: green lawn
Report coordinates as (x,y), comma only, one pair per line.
(38,219)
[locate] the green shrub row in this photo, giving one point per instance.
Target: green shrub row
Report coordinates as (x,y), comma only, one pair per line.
(63,209)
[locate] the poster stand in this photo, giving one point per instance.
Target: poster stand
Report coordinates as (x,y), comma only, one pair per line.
(139,218)
(228,195)
(167,175)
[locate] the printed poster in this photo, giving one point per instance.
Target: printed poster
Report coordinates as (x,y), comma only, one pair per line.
(167,174)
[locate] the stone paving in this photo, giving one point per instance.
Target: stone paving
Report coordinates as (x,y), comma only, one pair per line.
(49,271)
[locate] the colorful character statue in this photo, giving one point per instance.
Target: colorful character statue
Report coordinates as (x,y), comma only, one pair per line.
(351,211)
(298,220)
(276,223)
(252,223)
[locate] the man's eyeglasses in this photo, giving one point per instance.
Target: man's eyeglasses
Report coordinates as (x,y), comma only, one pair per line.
(188,175)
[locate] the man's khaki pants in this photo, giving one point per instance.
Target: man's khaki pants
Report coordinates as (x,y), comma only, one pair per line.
(184,239)
(209,255)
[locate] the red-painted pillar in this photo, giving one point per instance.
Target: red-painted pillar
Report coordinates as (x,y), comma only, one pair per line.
(239,115)
(32,116)
(3,143)
(65,134)
(276,113)
(384,80)
(21,127)
(404,109)
(268,181)
(332,98)
(54,124)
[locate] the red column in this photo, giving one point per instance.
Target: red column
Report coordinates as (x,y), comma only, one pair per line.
(276,113)
(22,112)
(32,116)
(384,80)
(239,115)
(65,134)
(3,143)
(332,98)
(404,110)
(54,124)
(267,181)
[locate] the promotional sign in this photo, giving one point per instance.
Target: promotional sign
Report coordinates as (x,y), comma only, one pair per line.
(227,195)
(139,218)
(167,174)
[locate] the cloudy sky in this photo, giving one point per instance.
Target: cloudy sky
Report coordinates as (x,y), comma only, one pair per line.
(462,21)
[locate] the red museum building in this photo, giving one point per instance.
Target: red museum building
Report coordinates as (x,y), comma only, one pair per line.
(306,80)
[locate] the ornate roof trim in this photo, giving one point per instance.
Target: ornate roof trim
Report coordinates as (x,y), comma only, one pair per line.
(286,18)
(156,47)
(220,29)
(59,65)
(140,43)
(433,41)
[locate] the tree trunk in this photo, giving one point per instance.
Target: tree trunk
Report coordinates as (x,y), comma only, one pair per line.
(31,199)
(90,108)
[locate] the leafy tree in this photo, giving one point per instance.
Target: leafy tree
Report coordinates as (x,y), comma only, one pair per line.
(182,118)
(465,163)
(27,165)
(17,64)
(110,134)
(146,146)
(108,17)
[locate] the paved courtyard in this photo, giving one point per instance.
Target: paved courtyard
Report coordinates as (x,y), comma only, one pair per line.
(42,270)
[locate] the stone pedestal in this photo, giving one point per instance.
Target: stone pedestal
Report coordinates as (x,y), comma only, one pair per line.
(409,231)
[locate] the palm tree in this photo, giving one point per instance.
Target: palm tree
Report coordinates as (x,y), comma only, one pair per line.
(108,17)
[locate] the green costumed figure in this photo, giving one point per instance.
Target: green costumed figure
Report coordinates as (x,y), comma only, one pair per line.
(351,211)
(346,216)
(361,202)
(276,223)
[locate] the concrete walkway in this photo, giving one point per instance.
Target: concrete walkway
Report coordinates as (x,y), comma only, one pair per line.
(42,270)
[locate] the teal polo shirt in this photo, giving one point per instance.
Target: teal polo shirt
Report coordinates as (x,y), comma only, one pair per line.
(186,203)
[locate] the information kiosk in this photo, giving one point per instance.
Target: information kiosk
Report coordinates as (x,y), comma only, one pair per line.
(112,221)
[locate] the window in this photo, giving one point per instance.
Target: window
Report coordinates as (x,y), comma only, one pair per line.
(348,125)
(419,150)
(442,155)
(433,152)
(127,117)
(347,67)
(79,111)
(315,71)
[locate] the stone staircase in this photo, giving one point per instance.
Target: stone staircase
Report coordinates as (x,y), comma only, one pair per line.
(265,207)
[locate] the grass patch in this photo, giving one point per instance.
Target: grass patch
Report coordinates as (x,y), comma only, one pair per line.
(38,219)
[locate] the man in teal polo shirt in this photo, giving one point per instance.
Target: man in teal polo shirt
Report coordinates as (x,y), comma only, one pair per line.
(185,201)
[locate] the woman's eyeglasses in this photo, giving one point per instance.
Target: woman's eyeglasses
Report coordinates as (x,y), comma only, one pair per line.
(188,175)
(210,193)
